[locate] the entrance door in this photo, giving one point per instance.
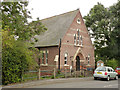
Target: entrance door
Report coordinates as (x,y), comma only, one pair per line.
(77,63)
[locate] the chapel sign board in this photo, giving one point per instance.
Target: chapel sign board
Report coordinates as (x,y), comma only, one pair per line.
(100,63)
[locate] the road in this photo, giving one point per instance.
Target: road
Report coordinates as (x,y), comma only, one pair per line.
(88,82)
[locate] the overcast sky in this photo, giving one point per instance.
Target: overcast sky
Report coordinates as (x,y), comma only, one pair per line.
(48,8)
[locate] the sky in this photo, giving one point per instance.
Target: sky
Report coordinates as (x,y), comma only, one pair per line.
(47,8)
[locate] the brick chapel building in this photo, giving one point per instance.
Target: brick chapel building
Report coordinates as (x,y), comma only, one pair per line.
(66,43)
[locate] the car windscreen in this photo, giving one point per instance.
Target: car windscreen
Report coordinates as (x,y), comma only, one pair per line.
(100,69)
(117,68)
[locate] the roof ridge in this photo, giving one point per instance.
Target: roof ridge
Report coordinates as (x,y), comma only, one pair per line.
(59,14)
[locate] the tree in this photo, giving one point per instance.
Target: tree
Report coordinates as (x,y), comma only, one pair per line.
(112,63)
(16,58)
(103,25)
(17,53)
(115,10)
(15,15)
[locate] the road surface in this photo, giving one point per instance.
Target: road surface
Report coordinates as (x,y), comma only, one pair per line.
(88,82)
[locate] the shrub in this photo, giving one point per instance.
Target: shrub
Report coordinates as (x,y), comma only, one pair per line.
(16,58)
(112,63)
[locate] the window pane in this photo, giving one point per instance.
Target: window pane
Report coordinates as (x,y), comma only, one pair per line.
(65,58)
(100,69)
(109,70)
(117,68)
(80,37)
(78,21)
(75,39)
(101,64)
(78,32)
(42,58)
(46,57)
(74,36)
(65,62)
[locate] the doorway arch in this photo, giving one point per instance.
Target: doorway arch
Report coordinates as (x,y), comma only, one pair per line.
(77,63)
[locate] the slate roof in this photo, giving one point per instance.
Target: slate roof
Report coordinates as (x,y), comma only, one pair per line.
(57,27)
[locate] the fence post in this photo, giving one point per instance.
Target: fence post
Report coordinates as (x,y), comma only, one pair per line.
(70,72)
(54,73)
(65,73)
(84,72)
(39,74)
(75,74)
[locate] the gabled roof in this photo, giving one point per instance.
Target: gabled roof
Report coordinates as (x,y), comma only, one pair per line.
(57,27)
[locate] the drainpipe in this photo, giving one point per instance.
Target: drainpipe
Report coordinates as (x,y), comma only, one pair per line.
(39,59)
(59,55)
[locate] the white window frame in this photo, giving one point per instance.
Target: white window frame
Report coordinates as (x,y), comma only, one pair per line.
(43,57)
(46,54)
(81,39)
(78,21)
(78,36)
(65,58)
(88,58)
(75,36)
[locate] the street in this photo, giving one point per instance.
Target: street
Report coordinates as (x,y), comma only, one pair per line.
(88,82)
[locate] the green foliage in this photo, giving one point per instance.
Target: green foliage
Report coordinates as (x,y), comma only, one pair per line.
(18,55)
(112,63)
(15,15)
(115,10)
(103,24)
(16,58)
(98,21)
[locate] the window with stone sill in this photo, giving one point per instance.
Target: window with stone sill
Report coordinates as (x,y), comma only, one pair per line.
(44,57)
(78,40)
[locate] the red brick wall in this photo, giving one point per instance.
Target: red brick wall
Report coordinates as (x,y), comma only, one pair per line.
(68,46)
(52,52)
(68,43)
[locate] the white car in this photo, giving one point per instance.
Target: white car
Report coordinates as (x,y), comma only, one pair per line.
(105,72)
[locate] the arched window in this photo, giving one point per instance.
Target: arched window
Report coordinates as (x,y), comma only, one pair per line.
(78,36)
(81,39)
(88,58)
(65,58)
(46,52)
(74,39)
(78,32)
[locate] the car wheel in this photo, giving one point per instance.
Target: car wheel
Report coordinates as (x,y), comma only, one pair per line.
(108,78)
(95,78)
(116,77)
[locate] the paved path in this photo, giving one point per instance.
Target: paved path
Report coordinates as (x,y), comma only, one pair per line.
(88,82)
